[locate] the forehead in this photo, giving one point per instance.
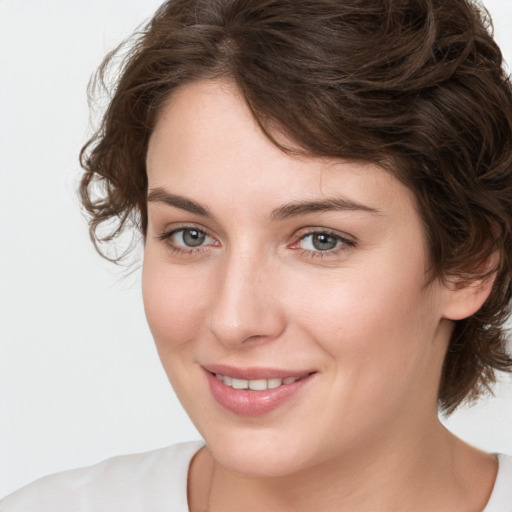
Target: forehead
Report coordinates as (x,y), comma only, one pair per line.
(207,143)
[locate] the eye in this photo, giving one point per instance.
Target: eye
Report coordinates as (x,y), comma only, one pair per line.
(320,242)
(189,237)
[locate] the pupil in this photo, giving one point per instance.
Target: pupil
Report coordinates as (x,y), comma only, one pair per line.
(323,242)
(193,237)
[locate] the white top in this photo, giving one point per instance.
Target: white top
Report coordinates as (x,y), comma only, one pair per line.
(154,482)
(501,497)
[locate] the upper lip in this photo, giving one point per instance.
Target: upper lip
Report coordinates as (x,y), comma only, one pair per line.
(254,373)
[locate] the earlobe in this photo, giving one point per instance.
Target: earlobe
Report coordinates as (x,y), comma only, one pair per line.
(468,296)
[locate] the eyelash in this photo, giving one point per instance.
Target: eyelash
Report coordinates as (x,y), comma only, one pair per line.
(343,243)
(166,237)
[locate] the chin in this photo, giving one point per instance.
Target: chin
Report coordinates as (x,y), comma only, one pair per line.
(258,454)
(258,463)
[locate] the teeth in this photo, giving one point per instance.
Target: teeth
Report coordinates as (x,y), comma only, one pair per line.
(239,383)
(274,383)
(256,384)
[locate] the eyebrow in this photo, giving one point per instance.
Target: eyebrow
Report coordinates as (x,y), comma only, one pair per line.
(159,195)
(330,204)
(296,209)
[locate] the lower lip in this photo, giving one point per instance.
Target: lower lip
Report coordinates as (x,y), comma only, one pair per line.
(246,402)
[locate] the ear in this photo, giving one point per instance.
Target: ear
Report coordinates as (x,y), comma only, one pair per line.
(466,297)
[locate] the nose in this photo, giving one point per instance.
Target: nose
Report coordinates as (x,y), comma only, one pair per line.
(246,306)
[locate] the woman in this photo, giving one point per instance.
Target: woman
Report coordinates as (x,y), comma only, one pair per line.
(324,189)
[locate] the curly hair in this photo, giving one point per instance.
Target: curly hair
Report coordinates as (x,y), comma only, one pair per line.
(416,86)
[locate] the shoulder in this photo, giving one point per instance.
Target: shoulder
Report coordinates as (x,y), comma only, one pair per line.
(151,481)
(501,497)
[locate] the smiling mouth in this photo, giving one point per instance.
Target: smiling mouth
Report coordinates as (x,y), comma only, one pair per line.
(254,391)
(257,384)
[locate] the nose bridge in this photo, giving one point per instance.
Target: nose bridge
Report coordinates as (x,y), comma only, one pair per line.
(244,307)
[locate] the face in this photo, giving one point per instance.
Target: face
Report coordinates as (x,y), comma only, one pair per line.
(301,279)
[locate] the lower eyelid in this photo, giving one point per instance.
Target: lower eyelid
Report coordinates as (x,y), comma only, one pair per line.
(168,238)
(343,243)
(336,252)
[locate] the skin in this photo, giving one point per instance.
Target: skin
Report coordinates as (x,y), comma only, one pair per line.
(363,434)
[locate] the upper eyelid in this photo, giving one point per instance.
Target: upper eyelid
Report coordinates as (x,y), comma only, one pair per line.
(192,228)
(166,236)
(328,231)
(297,236)
(168,231)
(344,240)
(315,231)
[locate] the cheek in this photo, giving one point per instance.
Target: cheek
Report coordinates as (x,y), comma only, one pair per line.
(174,302)
(366,319)
(378,336)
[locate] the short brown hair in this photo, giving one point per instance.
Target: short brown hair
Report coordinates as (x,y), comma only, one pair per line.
(416,86)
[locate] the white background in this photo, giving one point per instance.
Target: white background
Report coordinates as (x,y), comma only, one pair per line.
(80,380)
